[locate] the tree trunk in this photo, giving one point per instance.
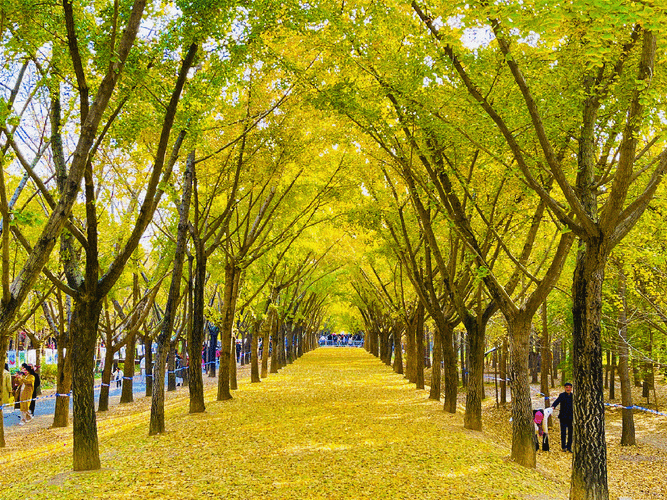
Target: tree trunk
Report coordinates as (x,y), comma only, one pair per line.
(427,349)
(148,365)
(254,353)
(436,369)
(233,383)
(523,448)
(273,334)
(185,377)
(534,362)
(232,274)
(64,383)
(196,340)
(127,393)
(589,465)
(473,414)
(266,333)
(375,343)
(636,374)
(648,375)
(282,355)
(103,403)
(156,425)
(419,347)
(628,430)
(86,455)
(171,367)
(410,333)
(212,350)
(398,349)
(606,369)
(451,375)
(503,373)
(290,343)
(464,366)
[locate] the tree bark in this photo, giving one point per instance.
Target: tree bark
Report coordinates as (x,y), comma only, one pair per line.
(148,365)
(628,429)
(64,383)
(171,367)
(451,374)
(503,373)
(195,378)
(85,320)
(266,335)
(127,394)
(254,353)
(606,369)
(463,346)
(232,275)
(398,349)
(411,365)
(212,351)
(103,403)
(436,369)
(419,347)
(233,360)
(156,425)
(589,466)
(523,448)
(275,338)
(473,414)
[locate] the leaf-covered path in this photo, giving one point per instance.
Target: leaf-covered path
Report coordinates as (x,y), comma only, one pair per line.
(335,424)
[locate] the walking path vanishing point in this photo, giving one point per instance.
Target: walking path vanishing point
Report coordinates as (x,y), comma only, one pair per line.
(335,424)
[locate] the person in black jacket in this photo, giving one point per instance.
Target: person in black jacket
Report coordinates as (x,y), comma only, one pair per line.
(565,416)
(35,389)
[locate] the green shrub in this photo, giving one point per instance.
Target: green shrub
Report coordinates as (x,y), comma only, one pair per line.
(48,375)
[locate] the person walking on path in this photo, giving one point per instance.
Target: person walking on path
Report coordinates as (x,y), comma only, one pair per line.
(26,382)
(565,416)
(6,388)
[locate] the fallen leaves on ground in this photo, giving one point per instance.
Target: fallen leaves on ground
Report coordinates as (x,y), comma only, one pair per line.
(636,472)
(335,424)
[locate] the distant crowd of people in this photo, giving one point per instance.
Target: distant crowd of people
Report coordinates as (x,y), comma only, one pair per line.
(341,339)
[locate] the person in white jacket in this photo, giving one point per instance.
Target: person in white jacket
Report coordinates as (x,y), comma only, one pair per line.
(541,421)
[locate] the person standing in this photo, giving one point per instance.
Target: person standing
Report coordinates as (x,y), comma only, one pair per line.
(35,390)
(6,387)
(142,367)
(565,416)
(118,376)
(26,382)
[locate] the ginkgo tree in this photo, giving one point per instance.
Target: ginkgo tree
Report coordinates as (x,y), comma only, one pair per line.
(588,72)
